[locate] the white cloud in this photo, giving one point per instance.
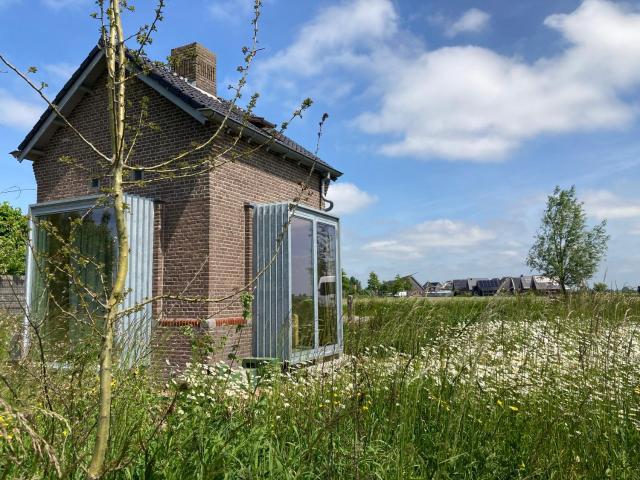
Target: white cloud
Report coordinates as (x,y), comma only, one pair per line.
(17,113)
(603,204)
(423,238)
(231,10)
(471,103)
(468,102)
(348,198)
(61,70)
(471,21)
(339,35)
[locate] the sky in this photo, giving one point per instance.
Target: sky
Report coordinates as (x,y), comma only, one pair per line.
(451,120)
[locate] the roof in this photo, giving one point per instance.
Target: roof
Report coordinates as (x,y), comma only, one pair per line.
(415,284)
(511,283)
(545,283)
(460,284)
(474,281)
(180,91)
(526,281)
(488,285)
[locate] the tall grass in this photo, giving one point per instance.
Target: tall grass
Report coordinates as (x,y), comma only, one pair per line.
(520,387)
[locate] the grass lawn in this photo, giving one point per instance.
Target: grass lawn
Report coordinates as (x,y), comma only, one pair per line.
(495,388)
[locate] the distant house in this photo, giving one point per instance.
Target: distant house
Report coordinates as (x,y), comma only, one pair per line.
(545,285)
(526,283)
(473,282)
(430,287)
(416,289)
(438,289)
(510,285)
(461,287)
(486,288)
(529,283)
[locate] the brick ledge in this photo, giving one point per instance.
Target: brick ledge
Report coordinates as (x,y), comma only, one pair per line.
(180,322)
(222,322)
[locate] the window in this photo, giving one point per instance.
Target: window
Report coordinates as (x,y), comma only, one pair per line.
(302,286)
(297,305)
(70,274)
(95,183)
(314,285)
(137,175)
(75,255)
(326,272)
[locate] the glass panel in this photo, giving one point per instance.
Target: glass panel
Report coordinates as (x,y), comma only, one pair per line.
(327,301)
(302,321)
(75,253)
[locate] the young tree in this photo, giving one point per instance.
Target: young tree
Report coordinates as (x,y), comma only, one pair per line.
(350,285)
(346,284)
(125,62)
(564,248)
(356,286)
(13,246)
(373,283)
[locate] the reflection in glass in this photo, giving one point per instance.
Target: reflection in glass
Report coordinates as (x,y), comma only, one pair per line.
(327,301)
(302,321)
(74,255)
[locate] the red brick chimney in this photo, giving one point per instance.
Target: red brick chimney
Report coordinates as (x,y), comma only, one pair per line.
(196,64)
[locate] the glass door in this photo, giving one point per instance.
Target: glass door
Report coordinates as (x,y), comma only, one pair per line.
(315,292)
(327,301)
(302,285)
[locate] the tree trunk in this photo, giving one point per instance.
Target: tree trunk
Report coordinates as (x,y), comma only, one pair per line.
(106,353)
(115,54)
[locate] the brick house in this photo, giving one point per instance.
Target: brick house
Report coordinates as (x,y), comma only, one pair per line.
(205,235)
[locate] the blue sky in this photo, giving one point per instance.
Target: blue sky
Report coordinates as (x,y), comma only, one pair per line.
(451,120)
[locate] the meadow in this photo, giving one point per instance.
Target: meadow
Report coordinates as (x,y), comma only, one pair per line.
(498,388)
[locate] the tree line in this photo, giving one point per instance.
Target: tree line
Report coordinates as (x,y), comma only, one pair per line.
(375,286)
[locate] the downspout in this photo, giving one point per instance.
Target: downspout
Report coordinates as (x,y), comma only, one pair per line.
(324,186)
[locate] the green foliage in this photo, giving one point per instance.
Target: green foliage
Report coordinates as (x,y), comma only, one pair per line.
(373,284)
(514,387)
(350,285)
(564,248)
(398,284)
(13,240)
(246,299)
(600,287)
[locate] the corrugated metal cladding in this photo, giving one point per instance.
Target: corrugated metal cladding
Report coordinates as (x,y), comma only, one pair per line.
(271,307)
(134,330)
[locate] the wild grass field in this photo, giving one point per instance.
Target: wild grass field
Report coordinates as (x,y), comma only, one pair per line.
(504,388)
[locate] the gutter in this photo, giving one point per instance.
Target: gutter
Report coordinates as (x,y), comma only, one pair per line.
(324,186)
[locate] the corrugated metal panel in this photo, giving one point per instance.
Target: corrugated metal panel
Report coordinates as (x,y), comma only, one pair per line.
(271,307)
(134,330)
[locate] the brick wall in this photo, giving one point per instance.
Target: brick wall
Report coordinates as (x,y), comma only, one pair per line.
(12,292)
(202,244)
